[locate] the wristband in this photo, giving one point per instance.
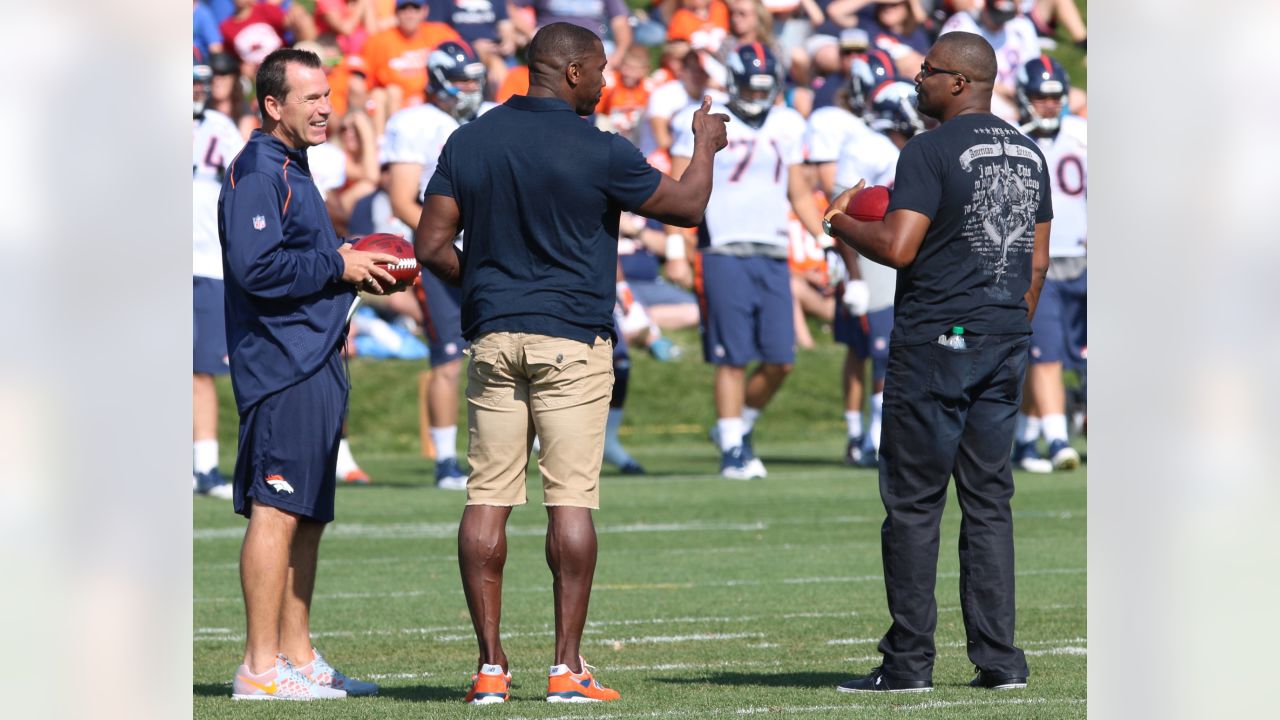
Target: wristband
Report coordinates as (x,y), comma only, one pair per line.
(675,247)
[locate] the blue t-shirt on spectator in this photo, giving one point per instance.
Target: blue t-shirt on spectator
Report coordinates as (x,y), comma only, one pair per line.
(473,19)
(540,192)
(204,31)
(222,9)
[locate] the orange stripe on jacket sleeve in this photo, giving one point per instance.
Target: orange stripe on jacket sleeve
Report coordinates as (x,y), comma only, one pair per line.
(288,197)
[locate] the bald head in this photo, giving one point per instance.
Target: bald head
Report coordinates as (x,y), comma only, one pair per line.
(968,53)
(555,46)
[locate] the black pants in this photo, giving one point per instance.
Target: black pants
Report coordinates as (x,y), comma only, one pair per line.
(950,412)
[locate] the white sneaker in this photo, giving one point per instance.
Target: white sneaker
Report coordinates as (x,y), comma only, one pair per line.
(1064,457)
(756,468)
(283,682)
(327,676)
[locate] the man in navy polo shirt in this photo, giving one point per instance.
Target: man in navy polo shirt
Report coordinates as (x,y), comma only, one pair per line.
(967,229)
(290,282)
(539,192)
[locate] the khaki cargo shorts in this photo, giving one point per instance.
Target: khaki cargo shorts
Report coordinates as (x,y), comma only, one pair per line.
(522,384)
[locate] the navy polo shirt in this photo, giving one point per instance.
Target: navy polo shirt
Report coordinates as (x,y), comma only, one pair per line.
(286,304)
(540,191)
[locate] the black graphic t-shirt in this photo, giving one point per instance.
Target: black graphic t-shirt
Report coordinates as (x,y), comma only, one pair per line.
(984,186)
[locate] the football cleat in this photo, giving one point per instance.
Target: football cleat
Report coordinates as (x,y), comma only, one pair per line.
(563,685)
(449,476)
(1063,456)
(283,682)
(489,686)
(326,675)
(357,477)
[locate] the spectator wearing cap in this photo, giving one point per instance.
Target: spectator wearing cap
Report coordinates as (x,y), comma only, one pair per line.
(396,59)
(206,38)
(486,25)
(608,19)
(350,21)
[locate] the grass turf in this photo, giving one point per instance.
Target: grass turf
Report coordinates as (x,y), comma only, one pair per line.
(712,598)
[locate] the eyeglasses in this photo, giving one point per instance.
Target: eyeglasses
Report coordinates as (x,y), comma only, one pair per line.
(926,70)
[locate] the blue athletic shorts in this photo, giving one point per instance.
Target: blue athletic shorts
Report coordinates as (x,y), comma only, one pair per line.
(1059,330)
(210,329)
(442,319)
(747,316)
(660,292)
(867,336)
(289,446)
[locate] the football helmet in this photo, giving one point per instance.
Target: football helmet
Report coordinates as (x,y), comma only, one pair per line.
(893,108)
(868,72)
(754,82)
(1039,78)
(455,62)
(201,89)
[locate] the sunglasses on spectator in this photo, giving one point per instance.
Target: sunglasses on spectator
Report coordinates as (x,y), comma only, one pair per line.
(927,70)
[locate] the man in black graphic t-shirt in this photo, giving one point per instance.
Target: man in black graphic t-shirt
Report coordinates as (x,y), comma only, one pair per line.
(968,230)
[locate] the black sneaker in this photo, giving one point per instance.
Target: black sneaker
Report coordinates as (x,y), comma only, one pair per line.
(878,681)
(998,680)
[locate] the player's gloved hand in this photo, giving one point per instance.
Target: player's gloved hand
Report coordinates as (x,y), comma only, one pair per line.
(857,297)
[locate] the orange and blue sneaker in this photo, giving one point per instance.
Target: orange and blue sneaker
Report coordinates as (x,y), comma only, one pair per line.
(282,682)
(564,685)
(326,675)
(490,685)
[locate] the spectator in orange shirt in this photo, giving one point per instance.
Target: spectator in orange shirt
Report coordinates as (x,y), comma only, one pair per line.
(702,23)
(626,95)
(396,59)
(515,83)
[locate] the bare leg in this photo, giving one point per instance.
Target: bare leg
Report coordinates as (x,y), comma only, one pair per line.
(264,571)
(571,554)
(442,395)
(482,554)
(729,390)
(204,407)
(764,382)
(853,381)
(295,614)
(1045,382)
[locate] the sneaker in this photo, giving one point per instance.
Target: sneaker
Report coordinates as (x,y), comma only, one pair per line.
(283,682)
(357,477)
(631,467)
(997,680)
(490,685)
(733,466)
(326,675)
(213,484)
(1063,456)
(754,465)
(449,476)
(878,681)
(664,350)
(564,685)
(1027,457)
(853,455)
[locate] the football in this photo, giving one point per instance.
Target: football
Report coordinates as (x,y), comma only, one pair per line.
(404,271)
(870,204)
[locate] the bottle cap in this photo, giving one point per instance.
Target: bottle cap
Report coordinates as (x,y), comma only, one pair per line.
(957,330)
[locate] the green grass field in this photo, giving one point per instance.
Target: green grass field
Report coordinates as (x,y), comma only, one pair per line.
(713,598)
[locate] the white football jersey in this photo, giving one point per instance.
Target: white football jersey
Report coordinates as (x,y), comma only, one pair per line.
(749,201)
(874,158)
(828,129)
(1068,158)
(1015,44)
(215,142)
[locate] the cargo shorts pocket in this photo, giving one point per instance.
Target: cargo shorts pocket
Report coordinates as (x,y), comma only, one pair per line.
(487,382)
(562,373)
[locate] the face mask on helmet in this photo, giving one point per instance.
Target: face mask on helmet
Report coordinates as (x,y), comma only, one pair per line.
(754,84)
(1042,78)
(447,67)
(201,89)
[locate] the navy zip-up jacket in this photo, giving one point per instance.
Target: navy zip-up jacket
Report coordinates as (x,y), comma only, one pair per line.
(286,304)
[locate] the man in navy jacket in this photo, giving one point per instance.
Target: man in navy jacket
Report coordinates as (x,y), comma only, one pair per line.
(290,282)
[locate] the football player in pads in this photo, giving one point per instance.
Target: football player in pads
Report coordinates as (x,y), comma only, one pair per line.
(1058,331)
(745,283)
(215,141)
(415,135)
